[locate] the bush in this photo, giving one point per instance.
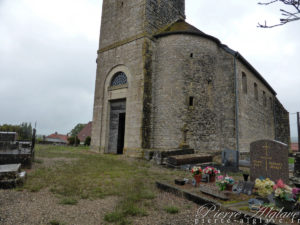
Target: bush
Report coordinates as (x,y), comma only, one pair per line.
(87,141)
(74,141)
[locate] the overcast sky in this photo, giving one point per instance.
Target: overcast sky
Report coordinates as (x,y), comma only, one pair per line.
(48,52)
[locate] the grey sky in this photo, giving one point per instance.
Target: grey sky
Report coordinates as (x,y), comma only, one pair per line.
(48,51)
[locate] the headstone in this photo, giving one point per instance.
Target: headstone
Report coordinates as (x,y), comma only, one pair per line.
(229,157)
(244,187)
(248,188)
(230,160)
(8,136)
(269,159)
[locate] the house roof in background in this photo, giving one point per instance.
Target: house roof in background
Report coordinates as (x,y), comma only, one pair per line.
(85,132)
(294,147)
(58,136)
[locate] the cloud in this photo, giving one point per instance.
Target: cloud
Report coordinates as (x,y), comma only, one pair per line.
(48,63)
(48,51)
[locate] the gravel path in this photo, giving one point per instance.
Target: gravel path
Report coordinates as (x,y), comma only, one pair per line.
(27,208)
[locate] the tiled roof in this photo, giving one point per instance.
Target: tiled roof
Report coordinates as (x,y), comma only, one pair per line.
(85,132)
(294,147)
(58,136)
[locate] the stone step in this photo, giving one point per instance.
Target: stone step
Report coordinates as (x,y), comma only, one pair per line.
(160,156)
(179,160)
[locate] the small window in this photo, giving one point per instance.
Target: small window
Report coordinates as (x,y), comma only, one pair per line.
(271,102)
(255,91)
(244,83)
(191,101)
(119,78)
(264,98)
(122,4)
(191,55)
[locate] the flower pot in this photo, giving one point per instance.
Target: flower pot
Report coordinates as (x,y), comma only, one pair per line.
(198,178)
(288,206)
(212,178)
(245,176)
(229,187)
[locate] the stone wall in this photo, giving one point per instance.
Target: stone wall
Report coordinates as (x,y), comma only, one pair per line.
(129,59)
(256,119)
(161,13)
(190,66)
(131,19)
(282,123)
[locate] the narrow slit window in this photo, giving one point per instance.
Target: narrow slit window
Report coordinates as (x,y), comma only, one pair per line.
(264,98)
(191,101)
(271,102)
(255,91)
(244,83)
(191,55)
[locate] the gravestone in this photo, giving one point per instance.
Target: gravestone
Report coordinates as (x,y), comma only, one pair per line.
(8,136)
(269,159)
(230,160)
(244,187)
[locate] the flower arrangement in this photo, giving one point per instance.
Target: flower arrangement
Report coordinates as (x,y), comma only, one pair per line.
(211,171)
(224,181)
(264,187)
(296,194)
(283,191)
(196,171)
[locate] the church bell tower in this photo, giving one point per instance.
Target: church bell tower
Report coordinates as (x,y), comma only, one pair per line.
(123,93)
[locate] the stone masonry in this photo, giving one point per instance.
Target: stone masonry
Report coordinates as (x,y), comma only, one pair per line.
(183,86)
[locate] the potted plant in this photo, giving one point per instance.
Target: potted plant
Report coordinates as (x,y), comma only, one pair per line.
(284,197)
(212,172)
(225,183)
(197,174)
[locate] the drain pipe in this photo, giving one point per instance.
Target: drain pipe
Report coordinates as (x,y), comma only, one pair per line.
(236,86)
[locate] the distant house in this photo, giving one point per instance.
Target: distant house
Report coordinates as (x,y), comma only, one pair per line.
(294,147)
(85,132)
(57,139)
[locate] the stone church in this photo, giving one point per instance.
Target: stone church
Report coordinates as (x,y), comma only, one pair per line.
(163,84)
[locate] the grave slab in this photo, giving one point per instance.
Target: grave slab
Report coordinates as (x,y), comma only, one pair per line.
(159,156)
(179,160)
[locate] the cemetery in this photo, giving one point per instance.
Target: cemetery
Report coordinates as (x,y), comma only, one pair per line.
(257,188)
(260,186)
(14,156)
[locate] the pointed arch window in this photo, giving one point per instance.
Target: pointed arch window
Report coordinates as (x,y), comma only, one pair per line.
(118,79)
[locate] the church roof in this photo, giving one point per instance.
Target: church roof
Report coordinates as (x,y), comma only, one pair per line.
(182,27)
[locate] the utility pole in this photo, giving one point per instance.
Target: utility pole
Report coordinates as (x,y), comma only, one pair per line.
(298,126)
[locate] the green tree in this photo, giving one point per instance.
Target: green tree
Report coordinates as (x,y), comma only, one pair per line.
(24,130)
(87,141)
(75,131)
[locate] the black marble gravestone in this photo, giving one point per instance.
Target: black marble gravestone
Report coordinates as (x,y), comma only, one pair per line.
(269,159)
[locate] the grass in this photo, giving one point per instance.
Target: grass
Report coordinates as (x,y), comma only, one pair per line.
(171,209)
(68,201)
(291,160)
(92,176)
